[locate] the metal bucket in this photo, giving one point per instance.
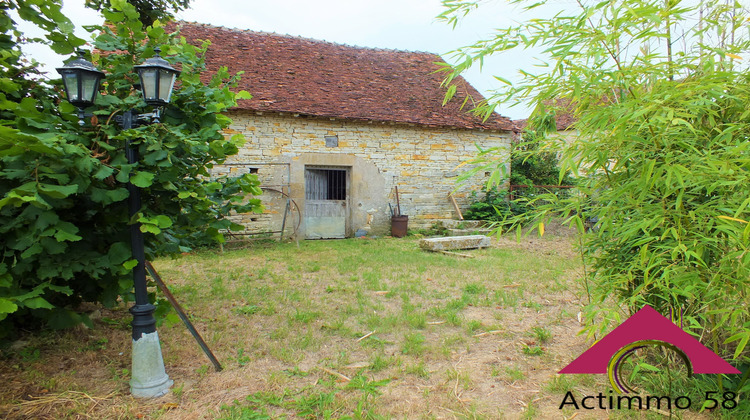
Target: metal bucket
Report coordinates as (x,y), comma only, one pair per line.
(398,226)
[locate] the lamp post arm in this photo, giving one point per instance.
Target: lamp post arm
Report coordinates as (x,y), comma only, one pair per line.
(133,120)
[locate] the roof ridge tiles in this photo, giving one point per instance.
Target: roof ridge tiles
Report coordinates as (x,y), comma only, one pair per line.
(305,38)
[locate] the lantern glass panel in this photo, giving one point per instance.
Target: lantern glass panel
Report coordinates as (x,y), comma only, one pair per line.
(90,86)
(166,83)
(149,84)
(71,85)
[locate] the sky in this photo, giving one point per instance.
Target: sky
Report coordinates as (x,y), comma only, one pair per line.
(409,25)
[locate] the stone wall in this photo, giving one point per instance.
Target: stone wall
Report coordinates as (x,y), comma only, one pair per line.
(422,161)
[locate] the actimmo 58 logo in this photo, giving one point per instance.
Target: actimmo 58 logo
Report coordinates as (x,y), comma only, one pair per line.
(645,329)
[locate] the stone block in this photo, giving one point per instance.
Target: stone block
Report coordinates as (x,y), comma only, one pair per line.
(469,231)
(464,224)
(455,242)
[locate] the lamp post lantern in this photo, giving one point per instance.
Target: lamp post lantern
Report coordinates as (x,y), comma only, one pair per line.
(148,376)
(157,80)
(81,80)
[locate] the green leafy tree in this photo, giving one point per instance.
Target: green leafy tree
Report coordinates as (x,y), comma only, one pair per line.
(149,11)
(63,213)
(661,99)
(531,164)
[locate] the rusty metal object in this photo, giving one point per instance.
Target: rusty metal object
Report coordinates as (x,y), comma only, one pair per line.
(189,325)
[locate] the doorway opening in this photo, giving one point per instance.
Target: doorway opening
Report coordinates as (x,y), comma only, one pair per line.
(326,202)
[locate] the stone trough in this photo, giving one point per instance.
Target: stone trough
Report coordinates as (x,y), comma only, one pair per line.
(454,242)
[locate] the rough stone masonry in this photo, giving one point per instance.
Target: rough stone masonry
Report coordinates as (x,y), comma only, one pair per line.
(422,161)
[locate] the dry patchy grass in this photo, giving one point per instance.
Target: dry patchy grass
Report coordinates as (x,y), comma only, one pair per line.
(329,329)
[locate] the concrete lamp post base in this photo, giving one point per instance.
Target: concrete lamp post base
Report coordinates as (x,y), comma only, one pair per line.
(148,379)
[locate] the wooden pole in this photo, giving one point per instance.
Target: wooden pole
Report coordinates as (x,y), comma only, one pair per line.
(455,206)
(398,203)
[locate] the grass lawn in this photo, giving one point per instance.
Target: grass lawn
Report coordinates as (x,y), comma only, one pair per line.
(360,328)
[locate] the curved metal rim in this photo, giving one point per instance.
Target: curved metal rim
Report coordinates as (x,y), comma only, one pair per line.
(615,365)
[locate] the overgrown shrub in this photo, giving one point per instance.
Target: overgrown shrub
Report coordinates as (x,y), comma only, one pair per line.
(494,206)
(63,214)
(664,135)
(529,166)
(532,165)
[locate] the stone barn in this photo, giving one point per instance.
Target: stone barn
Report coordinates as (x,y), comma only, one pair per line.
(333,130)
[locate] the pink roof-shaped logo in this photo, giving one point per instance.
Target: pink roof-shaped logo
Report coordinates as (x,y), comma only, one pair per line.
(647,326)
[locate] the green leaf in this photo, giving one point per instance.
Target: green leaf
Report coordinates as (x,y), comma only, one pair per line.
(149,228)
(34,249)
(62,47)
(124,174)
(156,156)
(743,337)
(449,94)
(118,253)
(130,264)
(46,219)
(238,140)
(163,221)
(58,191)
(61,289)
(66,107)
(103,172)
(243,94)
(61,318)
(142,179)
(155,32)
(66,231)
(222,120)
(647,366)
(37,303)
(13,142)
(172,319)
(108,100)
(7,307)
(117,195)
(52,246)
(62,236)
(99,195)
(503,80)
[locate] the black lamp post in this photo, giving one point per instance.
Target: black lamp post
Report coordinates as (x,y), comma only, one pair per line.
(81,79)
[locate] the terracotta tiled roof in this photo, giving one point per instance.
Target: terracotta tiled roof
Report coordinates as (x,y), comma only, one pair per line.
(317,78)
(521,124)
(563,121)
(564,114)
